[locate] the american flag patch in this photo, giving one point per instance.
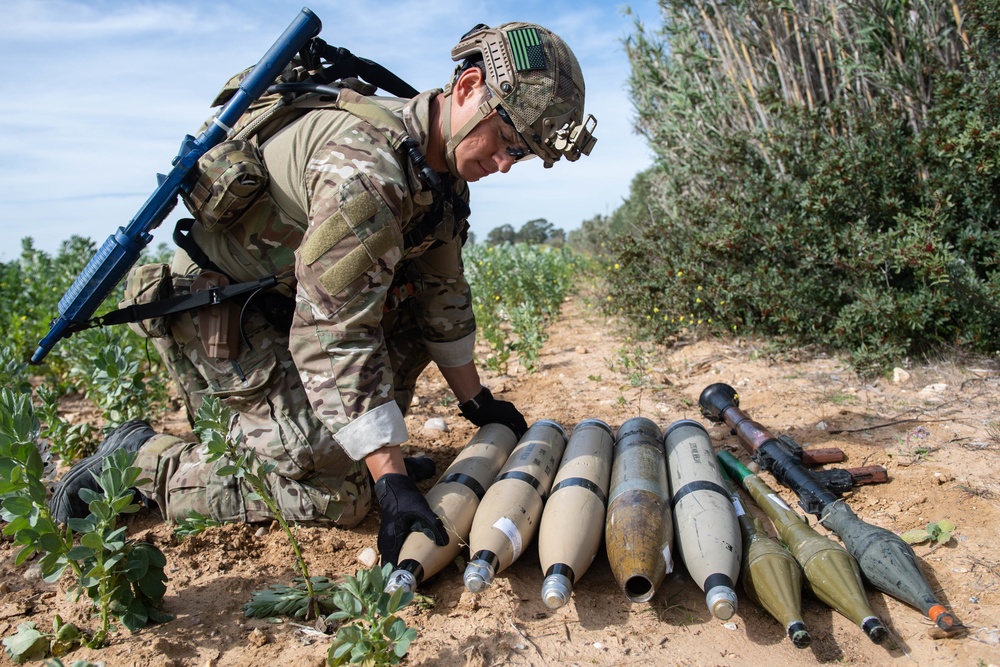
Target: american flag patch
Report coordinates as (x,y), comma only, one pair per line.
(527,49)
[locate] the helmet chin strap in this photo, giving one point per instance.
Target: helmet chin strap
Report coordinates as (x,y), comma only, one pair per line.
(453,140)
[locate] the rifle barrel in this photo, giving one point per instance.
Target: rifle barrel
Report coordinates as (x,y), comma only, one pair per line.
(121,250)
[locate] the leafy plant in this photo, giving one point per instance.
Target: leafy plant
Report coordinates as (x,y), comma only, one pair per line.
(124,579)
(295,600)
(242,463)
(29,643)
(938,532)
(517,291)
(110,369)
(371,633)
(70,442)
(195,523)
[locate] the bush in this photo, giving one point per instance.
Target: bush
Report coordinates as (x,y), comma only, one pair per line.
(867,224)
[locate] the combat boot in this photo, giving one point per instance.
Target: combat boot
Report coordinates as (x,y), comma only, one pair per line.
(66,503)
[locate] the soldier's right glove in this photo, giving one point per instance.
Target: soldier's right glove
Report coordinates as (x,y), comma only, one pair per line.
(404,510)
(483,409)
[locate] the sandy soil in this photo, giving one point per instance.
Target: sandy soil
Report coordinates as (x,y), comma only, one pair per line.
(935,432)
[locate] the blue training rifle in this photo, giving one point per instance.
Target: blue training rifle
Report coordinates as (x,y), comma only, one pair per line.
(114,259)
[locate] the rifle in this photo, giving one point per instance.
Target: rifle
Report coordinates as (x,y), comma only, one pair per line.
(886,561)
(121,250)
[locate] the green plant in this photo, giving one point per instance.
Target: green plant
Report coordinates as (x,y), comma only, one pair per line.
(124,579)
(826,175)
(938,532)
(195,523)
(68,442)
(517,291)
(297,600)
(29,643)
(370,632)
(212,426)
(110,369)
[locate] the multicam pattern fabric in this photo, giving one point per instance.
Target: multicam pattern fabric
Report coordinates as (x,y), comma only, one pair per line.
(315,399)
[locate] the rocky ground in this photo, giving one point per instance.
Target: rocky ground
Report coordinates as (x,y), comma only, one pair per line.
(934,428)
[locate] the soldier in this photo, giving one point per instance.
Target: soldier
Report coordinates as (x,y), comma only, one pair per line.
(366,242)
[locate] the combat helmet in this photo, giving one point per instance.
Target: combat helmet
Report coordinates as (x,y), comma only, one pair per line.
(536,84)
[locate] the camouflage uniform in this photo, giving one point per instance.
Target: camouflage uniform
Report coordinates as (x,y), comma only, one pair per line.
(373,306)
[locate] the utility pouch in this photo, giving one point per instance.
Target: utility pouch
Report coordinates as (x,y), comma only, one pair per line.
(231,176)
(218,323)
(147,284)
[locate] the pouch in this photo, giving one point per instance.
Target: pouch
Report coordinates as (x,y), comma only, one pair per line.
(231,176)
(148,283)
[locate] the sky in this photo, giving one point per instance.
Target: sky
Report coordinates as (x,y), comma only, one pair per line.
(98,94)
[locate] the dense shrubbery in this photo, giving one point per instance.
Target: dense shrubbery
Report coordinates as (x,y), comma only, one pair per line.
(844,203)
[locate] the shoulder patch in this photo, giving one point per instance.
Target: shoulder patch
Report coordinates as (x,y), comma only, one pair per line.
(352,212)
(356,262)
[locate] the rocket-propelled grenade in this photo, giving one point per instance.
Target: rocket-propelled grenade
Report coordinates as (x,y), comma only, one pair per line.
(572,526)
(455,498)
(639,529)
(831,572)
(885,559)
(771,576)
(708,534)
(508,515)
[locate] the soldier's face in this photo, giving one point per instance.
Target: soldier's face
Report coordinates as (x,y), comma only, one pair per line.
(491,146)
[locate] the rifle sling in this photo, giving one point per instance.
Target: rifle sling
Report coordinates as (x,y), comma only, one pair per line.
(176,304)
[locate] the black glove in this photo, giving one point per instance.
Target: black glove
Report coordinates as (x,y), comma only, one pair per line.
(483,409)
(404,510)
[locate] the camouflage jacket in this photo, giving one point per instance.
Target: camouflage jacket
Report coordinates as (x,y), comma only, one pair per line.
(340,204)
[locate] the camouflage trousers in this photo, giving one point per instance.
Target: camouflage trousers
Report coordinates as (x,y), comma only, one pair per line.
(314,479)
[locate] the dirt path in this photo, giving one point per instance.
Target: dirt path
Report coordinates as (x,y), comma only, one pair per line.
(935,432)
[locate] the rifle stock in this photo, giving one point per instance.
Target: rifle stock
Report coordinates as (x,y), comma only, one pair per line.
(121,250)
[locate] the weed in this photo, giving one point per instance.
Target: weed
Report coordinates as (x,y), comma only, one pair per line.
(124,579)
(370,633)
(195,523)
(938,532)
(242,463)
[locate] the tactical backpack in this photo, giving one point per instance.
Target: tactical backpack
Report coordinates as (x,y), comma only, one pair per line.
(231,177)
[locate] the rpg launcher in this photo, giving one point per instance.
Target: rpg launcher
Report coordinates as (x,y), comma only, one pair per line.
(108,267)
(886,561)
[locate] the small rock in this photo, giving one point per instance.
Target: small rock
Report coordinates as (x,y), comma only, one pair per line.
(822,426)
(33,573)
(580,349)
(899,376)
(974,599)
(730,626)
(261,532)
(367,557)
(4,588)
(415,401)
(598,645)
(436,424)
(932,389)
(942,477)
(257,638)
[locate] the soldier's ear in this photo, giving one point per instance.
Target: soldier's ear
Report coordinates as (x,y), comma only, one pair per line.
(469,85)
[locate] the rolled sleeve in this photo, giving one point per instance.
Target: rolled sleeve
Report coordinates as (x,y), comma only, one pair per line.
(379,427)
(453,353)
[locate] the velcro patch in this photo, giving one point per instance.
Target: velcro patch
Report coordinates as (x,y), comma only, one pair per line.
(356,262)
(352,212)
(526,48)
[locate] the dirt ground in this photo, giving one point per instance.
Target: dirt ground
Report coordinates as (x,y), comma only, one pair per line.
(936,432)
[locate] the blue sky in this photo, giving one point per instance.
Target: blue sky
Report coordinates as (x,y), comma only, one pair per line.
(98,94)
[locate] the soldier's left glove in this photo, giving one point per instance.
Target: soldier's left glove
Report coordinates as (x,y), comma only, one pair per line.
(483,409)
(404,510)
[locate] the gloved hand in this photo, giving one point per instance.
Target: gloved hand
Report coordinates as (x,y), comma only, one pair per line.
(404,510)
(483,409)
